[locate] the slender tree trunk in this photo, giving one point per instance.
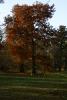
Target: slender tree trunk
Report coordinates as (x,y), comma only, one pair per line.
(22,68)
(33,57)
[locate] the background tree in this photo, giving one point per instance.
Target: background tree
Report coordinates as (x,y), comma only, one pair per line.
(1,1)
(6,63)
(61,47)
(45,46)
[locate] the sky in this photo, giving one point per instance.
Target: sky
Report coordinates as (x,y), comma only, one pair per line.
(59,17)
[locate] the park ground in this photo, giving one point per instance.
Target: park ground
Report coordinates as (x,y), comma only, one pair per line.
(51,86)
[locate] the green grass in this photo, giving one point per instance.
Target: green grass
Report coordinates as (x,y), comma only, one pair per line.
(52,86)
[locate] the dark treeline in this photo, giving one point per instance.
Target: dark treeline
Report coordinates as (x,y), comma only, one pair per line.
(32,45)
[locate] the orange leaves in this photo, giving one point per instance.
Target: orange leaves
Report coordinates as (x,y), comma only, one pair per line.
(20,36)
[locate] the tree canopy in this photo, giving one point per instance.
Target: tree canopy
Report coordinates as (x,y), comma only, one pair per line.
(24,27)
(31,38)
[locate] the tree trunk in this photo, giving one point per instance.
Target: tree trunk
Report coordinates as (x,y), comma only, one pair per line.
(33,57)
(22,68)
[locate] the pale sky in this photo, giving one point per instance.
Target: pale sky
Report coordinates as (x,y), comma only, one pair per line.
(59,17)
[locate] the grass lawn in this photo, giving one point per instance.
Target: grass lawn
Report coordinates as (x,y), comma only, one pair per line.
(52,86)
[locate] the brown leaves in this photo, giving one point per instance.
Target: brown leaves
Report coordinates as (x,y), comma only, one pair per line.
(20,36)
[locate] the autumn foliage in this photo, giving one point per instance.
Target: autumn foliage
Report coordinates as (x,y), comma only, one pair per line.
(22,32)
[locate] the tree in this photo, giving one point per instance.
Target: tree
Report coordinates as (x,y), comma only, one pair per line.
(22,32)
(62,45)
(46,46)
(1,35)
(60,54)
(1,1)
